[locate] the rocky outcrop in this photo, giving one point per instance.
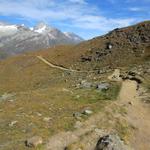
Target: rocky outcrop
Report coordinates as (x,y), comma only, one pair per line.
(119,47)
(110,142)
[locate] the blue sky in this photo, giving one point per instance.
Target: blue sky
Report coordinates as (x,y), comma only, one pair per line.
(87,18)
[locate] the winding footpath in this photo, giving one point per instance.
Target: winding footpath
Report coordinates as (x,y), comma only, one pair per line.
(138,115)
(56,66)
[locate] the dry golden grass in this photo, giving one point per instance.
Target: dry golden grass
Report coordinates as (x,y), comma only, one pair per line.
(40,92)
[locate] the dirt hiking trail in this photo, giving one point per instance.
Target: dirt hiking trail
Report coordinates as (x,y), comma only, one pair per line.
(61,67)
(64,139)
(138,115)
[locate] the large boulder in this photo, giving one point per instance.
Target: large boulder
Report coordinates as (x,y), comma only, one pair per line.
(111,142)
(103,86)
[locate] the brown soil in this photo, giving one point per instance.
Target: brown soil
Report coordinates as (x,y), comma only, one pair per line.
(138,115)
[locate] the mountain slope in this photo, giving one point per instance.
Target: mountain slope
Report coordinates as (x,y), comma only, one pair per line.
(17,39)
(92,55)
(37,99)
(119,47)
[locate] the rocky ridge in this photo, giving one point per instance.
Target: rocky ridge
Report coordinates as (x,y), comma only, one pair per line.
(15,39)
(120,47)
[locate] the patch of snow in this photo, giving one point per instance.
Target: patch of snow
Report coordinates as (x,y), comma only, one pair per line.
(6,30)
(31,28)
(67,34)
(40,30)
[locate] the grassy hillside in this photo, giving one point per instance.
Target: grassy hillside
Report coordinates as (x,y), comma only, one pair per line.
(36,99)
(41,100)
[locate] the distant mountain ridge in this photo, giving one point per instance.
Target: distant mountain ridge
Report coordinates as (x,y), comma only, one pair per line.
(15,39)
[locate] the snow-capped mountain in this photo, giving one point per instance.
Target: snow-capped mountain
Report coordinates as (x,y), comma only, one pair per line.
(43,28)
(16,39)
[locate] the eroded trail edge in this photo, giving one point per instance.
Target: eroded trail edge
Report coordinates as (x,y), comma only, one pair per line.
(138,115)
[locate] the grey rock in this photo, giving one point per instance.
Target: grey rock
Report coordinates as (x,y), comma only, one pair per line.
(133,76)
(103,86)
(77,115)
(87,112)
(13,123)
(111,142)
(47,119)
(109,46)
(85,84)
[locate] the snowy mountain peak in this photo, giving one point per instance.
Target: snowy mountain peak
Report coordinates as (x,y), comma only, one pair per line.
(42,28)
(17,39)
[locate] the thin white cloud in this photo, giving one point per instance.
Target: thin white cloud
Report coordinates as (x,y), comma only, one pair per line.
(102,23)
(75,13)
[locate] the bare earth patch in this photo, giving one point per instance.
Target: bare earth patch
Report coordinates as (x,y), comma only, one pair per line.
(138,114)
